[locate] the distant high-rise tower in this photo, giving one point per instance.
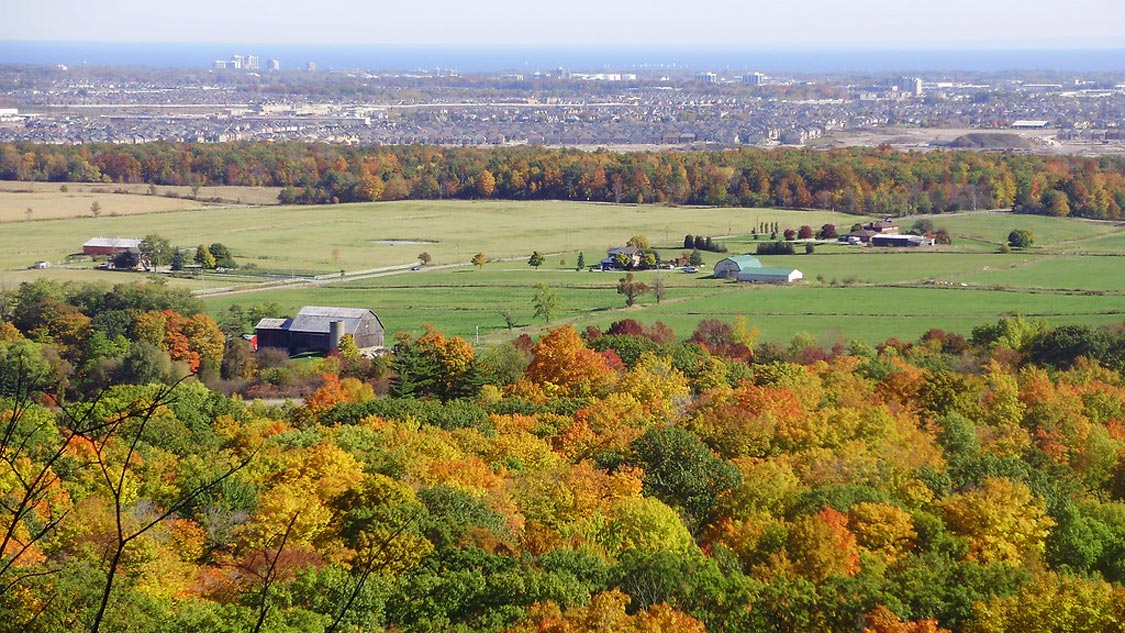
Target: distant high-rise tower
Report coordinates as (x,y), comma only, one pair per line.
(910,85)
(707,78)
(754,79)
(236,62)
(562,73)
(275,64)
(220,64)
(311,67)
(251,62)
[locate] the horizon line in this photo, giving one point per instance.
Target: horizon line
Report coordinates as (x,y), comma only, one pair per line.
(931,46)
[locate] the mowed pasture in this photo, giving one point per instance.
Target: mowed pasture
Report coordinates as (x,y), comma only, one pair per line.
(33,206)
(1071,275)
(53,200)
(324,239)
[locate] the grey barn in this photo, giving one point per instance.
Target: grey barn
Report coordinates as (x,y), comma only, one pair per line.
(319,329)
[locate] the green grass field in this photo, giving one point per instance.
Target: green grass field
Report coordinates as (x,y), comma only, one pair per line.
(362,236)
(850,292)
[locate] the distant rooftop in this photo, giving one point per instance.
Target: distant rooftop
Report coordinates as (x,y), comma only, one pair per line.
(113,242)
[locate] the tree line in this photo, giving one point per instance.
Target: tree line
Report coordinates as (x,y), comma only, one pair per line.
(854,180)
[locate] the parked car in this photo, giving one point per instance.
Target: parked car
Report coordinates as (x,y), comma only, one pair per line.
(689,269)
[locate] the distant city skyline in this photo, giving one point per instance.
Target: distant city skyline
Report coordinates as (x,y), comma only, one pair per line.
(892,24)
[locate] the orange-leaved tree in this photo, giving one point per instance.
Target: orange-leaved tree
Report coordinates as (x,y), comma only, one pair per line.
(565,367)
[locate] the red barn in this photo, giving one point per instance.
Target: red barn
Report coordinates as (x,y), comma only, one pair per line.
(101,246)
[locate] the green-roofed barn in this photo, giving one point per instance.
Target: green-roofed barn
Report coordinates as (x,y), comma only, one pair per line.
(730,267)
(771,275)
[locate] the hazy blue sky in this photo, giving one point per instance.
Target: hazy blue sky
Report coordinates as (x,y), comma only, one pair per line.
(719,23)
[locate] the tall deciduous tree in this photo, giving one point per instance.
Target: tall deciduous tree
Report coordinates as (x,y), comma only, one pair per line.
(155,251)
(1003,521)
(486,183)
(562,361)
(204,258)
(682,471)
(631,288)
(545,303)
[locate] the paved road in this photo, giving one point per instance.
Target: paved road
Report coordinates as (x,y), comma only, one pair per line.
(327,280)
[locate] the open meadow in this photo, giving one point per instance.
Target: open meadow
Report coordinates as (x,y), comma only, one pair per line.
(53,200)
(1072,274)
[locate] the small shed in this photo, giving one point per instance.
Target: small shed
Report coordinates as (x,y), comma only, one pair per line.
(771,275)
(733,265)
(319,329)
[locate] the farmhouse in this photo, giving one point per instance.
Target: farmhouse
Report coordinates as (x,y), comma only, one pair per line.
(610,261)
(901,240)
(862,236)
(100,246)
(319,329)
(771,275)
(730,267)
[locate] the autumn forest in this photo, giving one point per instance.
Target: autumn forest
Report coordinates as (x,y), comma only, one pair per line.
(852,180)
(157,474)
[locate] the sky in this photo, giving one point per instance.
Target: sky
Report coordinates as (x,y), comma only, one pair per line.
(746,24)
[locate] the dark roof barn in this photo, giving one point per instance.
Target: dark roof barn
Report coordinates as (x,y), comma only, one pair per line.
(319,329)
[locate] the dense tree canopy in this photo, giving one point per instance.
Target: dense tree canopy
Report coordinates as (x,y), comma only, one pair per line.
(853,180)
(621,479)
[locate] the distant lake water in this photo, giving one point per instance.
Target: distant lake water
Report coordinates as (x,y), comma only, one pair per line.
(524,59)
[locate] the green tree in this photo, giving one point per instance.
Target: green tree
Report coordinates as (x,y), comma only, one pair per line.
(222,255)
(424,258)
(155,251)
(1021,238)
(682,471)
(125,260)
(536,260)
(545,302)
(204,258)
(581,261)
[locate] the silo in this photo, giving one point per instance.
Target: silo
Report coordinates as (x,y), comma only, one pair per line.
(335,333)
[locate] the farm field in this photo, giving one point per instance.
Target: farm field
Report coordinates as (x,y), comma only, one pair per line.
(1105,273)
(849,292)
(48,200)
(468,302)
(324,239)
(56,205)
